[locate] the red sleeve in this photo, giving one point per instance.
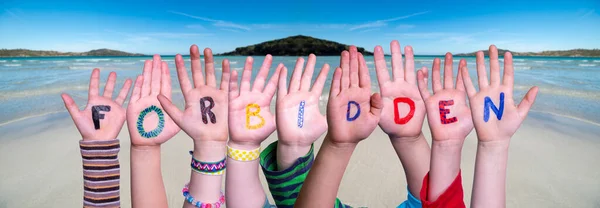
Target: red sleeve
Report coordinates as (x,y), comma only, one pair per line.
(452,197)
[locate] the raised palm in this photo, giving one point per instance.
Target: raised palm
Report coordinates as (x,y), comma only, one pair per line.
(299,121)
(102,118)
(402,119)
(148,124)
(210,124)
(350,91)
(500,125)
(250,118)
(448,115)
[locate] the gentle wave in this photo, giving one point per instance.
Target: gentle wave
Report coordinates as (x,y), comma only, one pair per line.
(596,61)
(59,61)
(80,67)
(369,62)
(92,60)
(12,65)
(540,61)
(2,61)
(519,60)
(233,62)
(522,68)
(238,68)
(41,91)
(82,64)
(519,64)
(587,65)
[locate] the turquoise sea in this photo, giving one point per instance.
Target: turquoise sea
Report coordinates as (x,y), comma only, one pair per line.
(31,87)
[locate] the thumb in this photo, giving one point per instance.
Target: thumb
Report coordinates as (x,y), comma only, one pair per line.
(376,104)
(527,102)
(70,105)
(171,109)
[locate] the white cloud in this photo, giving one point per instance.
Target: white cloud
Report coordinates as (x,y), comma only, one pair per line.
(369,30)
(230,30)
(197,27)
(381,23)
(216,23)
(405,26)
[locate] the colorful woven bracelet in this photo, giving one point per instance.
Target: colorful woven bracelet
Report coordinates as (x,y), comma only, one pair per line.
(208,168)
(190,199)
(242,155)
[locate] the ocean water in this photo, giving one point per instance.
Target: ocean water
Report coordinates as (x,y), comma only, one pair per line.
(32,86)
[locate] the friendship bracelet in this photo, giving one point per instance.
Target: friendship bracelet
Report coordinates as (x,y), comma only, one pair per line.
(208,168)
(242,155)
(190,199)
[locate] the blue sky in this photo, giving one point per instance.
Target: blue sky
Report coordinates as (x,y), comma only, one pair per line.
(434,27)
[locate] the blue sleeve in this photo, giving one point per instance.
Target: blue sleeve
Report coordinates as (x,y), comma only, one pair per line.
(411,202)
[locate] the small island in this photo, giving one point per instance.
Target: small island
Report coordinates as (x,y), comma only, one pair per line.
(299,45)
(35,53)
(566,53)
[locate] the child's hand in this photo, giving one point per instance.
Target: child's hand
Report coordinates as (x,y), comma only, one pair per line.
(250,118)
(494,112)
(148,124)
(403,108)
(299,121)
(448,115)
(205,115)
(352,112)
(102,118)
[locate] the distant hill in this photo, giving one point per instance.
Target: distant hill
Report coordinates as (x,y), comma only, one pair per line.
(299,45)
(567,53)
(33,53)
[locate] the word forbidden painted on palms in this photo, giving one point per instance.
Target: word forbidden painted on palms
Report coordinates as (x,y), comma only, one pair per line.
(489,104)
(96,115)
(159,127)
(301,114)
(207,110)
(409,115)
(444,112)
(255,113)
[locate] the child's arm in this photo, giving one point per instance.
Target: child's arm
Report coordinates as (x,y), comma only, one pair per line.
(205,121)
(496,119)
(250,123)
(286,162)
(403,114)
(352,113)
(450,122)
(99,124)
(149,127)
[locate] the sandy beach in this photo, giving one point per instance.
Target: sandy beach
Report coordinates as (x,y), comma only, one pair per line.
(553,163)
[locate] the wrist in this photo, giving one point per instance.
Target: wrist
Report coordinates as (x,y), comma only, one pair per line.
(145,148)
(243,145)
(209,151)
(494,146)
(338,145)
(407,140)
(288,154)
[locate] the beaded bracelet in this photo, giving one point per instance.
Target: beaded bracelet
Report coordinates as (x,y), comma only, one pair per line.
(208,168)
(242,155)
(190,199)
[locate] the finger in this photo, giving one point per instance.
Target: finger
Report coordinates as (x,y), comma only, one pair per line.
(363,73)
(509,71)
(225,75)
(233,86)
(383,75)
(282,85)
(272,85)
(527,102)
(354,67)
(308,73)
(422,83)
(137,89)
(110,85)
(335,88)
(448,73)
(376,104)
(171,109)
(397,66)
(156,75)
(296,75)
(317,87)
(459,80)
(345,79)
(147,74)
(94,80)
(123,93)
(182,75)
(196,66)
(409,70)
(467,82)
(70,105)
(494,66)
(436,81)
(247,75)
(165,88)
(259,81)
(481,74)
(209,62)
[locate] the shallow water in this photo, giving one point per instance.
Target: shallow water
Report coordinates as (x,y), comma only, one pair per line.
(32,86)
